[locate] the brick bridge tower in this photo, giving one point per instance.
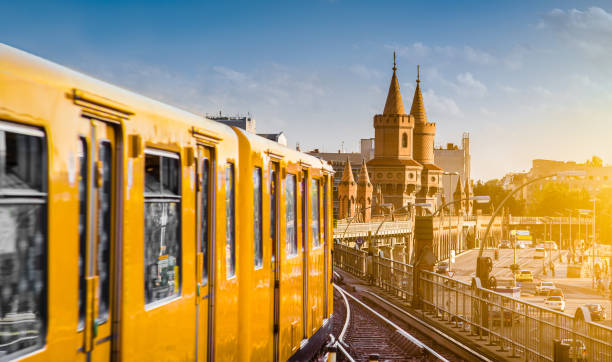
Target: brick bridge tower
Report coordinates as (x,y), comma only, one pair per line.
(347,192)
(392,168)
(424,133)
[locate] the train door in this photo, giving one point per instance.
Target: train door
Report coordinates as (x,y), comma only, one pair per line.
(204,277)
(275,260)
(305,254)
(100,150)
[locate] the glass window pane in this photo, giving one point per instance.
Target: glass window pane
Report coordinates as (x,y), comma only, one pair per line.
(204,222)
(290,203)
(257,221)
(22,163)
(82,155)
(22,277)
(230,247)
(314,226)
(162,250)
(304,192)
(273,205)
(170,175)
(104,229)
(152,174)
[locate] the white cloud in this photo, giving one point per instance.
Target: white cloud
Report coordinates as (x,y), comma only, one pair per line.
(467,82)
(230,74)
(439,106)
(365,72)
(477,56)
(487,113)
(589,30)
(539,90)
(420,49)
(508,89)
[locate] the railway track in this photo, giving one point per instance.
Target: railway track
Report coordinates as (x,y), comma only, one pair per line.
(367,331)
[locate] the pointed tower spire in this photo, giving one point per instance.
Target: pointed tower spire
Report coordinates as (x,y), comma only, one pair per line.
(459,190)
(394,104)
(418,107)
(363,178)
(347,175)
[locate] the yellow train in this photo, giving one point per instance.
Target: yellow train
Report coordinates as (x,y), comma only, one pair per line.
(131,230)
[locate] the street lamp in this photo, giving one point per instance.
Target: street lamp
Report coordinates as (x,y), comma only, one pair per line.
(515,190)
(593,246)
(450,189)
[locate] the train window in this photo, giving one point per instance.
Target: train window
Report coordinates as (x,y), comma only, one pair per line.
(290,203)
(314,226)
(257,220)
(162,226)
(204,221)
(23,245)
(230,242)
(273,205)
(82,155)
(104,230)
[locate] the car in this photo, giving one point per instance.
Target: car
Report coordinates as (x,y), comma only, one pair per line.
(555,302)
(549,244)
(555,292)
(443,267)
(505,244)
(524,276)
(544,287)
(540,253)
(598,313)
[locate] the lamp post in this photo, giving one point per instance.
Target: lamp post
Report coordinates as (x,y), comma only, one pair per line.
(478,199)
(593,246)
(450,189)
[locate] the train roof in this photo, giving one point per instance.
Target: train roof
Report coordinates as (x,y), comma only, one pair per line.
(275,147)
(27,66)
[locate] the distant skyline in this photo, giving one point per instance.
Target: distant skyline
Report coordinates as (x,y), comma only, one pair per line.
(526,79)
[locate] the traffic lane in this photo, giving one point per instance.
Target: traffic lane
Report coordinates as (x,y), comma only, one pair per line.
(465,264)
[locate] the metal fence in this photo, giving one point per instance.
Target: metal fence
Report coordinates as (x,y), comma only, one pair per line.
(350,260)
(521,329)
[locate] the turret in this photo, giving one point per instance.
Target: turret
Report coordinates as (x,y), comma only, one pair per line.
(457,196)
(364,193)
(424,132)
(347,192)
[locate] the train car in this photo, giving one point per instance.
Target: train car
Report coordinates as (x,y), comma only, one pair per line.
(133,230)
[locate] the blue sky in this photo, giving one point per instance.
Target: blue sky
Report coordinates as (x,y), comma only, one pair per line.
(526,79)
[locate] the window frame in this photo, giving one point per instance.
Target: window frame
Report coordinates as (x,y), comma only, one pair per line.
(315,182)
(258,208)
(31,197)
(295,209)
(149,197)
(230,166)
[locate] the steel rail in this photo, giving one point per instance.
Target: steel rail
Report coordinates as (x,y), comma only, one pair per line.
(434,329)
(408,336)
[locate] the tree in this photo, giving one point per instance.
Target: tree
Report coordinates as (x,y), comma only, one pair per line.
(497,193)
(553,198)
(595,162)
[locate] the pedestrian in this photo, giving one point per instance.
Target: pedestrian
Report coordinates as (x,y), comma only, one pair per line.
(552,269)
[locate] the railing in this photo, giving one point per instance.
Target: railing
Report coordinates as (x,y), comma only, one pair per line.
(524,329)
(349,259)
(584,219)
(393,276)
(362,229)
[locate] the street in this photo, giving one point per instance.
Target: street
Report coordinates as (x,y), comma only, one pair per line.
(577,291)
